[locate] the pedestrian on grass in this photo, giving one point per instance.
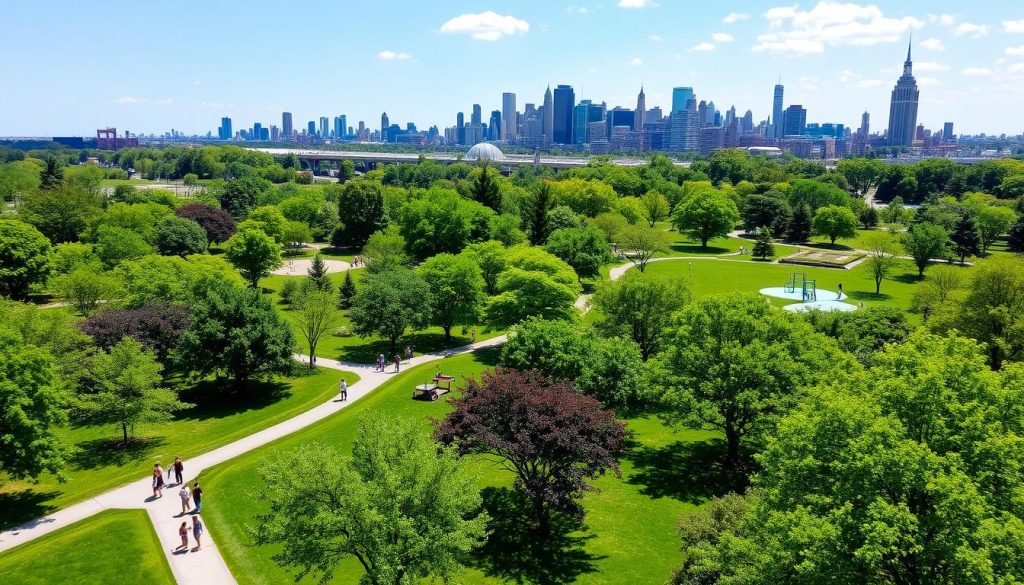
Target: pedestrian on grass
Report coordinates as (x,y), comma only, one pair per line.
(343,390)
(179,469)
(158,481)
(197,497)
(183,533)
(197,531)
(185,496)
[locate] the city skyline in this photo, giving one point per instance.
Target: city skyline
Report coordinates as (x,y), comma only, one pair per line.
(835,59)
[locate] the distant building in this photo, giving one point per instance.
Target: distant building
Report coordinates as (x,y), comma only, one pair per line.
(776,129)
(947,132)
(641,111)
(477,116)
(564,102)
(548,118)
(509,116)
(325,127)
(903,107)
(286,125)
(794,121)
(224,131)
(275,133)
(384,123)
(340,127)
(680,97)
(494,127)
(311,129)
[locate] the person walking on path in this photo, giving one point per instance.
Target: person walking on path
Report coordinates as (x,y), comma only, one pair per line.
(183,533)
(197,497)
(408,354)
(179,469)
(472,336)
(840,295)
(343,390)
(197,532)
(158,481)
(185,496)
(398,362)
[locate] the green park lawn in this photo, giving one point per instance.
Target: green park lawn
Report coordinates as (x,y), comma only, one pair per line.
(99,461)
(856,242)
(628,536)
(114,546)
(683,245)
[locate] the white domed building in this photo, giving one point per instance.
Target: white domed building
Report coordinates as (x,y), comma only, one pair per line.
(484,151)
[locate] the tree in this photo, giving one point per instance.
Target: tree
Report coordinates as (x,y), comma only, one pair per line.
(895,212)
(734,364)
(235,333)
(361,205)
(85,288)
(61,214)
(1015,238)
(346,292)
(128,389)
(640,306)
(253,253)
(317,275)
(390,302)
(640,243)
(610,223)
(763,245)
(768,210)
(346,171)
(490,257)
(868,217)
(800,225)
(585,249)
(815,194)
(52,175)
(485,189)
(24,258)
(218,224)
(443,221)
(862,173)
(294,235)
(587,198)
(656,206)
(835,222)
(385,250)
(992,223)
(862,332)
(315,314)
(965,237)
(177,236)
(172,279)
(541,204)
(924,242)
(553,439)
(533,283)
(457,288)
(405,509)
(705,215)
(882,255)
(32,407)
(156,325)
(115,245)
(240,195)
(505,229)
(269,219)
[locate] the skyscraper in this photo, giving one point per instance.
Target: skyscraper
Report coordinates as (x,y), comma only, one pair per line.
(947,132)
(325,128)
(311,129)
(509,116)
(794,121)
(564,101)
(777,130)
(460,128)
(641,111)
(680,97)
(384,123)
(477,116)
(747,123)
(494,128)
(903,107)
(865,123)
(286,125)
(224,132)
(340,125)
(548,118)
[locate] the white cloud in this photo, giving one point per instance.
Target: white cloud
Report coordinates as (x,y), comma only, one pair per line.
(394,56)
(930,66)
(485,26)
(703,47)
(127,100)
(808,83)
(932,45)
(927,81)
(867,83)
(1015,51)
(637,4)
(976,72)
(1016,68)
(971,29)
(734,17)
(164,102)
(578,10)
(635,61)
(656,38)
(1013,26)
(722,38)
(828,23)
(856,81)
(942,19)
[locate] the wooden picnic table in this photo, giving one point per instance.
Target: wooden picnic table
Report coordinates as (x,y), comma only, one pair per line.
(440,384)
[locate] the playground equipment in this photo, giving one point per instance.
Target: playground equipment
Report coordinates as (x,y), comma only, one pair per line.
(808,287)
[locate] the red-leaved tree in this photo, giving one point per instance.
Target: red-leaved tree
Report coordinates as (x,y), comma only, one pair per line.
(219,224)
(552,438)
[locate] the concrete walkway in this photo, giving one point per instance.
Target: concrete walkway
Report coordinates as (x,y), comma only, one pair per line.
(207,566)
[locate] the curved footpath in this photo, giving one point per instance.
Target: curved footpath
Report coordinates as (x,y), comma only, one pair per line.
(207,567)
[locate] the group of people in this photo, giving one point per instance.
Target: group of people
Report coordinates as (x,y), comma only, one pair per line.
(187,496)
(397,360)
(358,261)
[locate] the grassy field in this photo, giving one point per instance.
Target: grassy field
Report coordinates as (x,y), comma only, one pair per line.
(682,245)
(100,462)
(856,242)
(629,533)
(114,546)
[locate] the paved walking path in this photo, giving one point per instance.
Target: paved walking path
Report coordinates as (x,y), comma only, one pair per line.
(207,566)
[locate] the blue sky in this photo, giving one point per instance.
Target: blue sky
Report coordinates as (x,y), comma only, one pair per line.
(74,66)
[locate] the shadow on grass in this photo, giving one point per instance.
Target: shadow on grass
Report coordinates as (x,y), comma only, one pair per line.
(98,453)
(23,506)
(862,295)
(690,472)
(697,249)
(828,246)
(516,552)
(215,399)
(907,278)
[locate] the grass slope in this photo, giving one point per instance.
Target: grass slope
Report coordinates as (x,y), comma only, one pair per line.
(114,546)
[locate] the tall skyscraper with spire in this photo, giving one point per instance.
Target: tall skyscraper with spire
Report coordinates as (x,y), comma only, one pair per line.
(641,111)
(548,121)
(903,106)
(776,129)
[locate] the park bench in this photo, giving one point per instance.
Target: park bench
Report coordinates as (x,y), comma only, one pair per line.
(440,384)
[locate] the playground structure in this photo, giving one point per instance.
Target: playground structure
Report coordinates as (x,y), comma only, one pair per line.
(808,287)
(440,384)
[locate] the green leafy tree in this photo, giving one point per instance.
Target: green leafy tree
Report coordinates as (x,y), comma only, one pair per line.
(707,214)
(862,332)
(317,276)
(734,364)
(52,175)
(490,257)
(834,222)
(404,508)
(390,302)
(115,245)
(610,223)
(269,219)
(505,229)
(585,249)
(882,256)
(176,236)
(763,245)
(769,210)
(385,250)
(799,229)
(62,213)
(861,173)
(315,314)
(640,244)
(235,333)
(443,221)
(346,171)
(85,288)
(17,178)
(925,242)
(347,291)
(868,217)
(534,283)
(25,258)
(541,204)
(965,237)
(361,207)
(485,189)
(457,287)
(815,194)
(294,235)
(992,223)
(171,279)
(239,196)
(128,391)
(1015,238)
(253,253)
(640,306)
(656,206)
